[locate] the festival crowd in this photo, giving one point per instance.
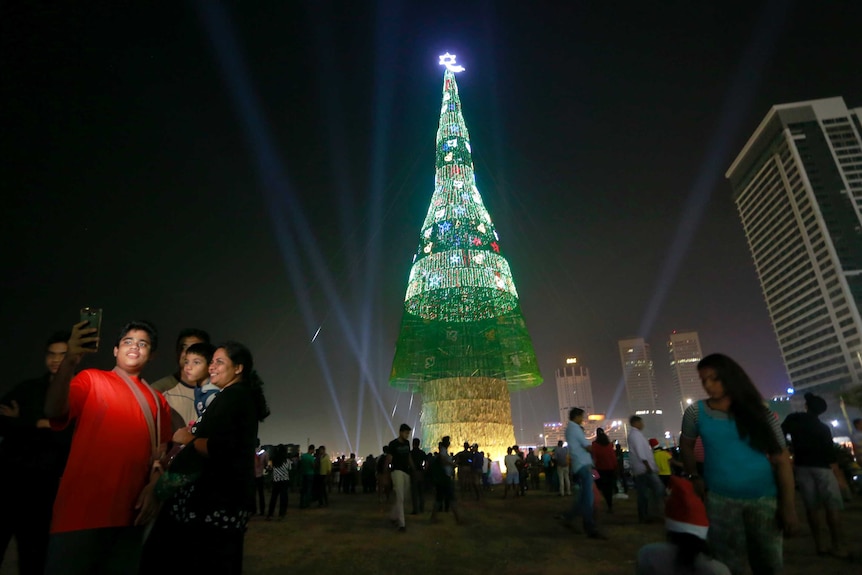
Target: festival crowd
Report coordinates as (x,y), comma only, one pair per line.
(102,471)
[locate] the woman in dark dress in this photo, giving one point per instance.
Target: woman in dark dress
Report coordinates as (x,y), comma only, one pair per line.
(210,515)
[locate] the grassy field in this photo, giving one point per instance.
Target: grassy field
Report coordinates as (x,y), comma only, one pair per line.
(506,536)
(503,536)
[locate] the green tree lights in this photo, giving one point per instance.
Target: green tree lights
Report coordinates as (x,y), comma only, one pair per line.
(463,337)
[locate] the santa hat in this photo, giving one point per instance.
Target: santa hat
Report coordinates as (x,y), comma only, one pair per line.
(684,511)
(653,442)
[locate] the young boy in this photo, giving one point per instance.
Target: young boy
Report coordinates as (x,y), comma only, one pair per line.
(196,372)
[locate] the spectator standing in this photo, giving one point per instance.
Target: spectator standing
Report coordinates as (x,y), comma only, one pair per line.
(261,460)
(561,457)
(212,512)
(749,478)
(32,458)
(178,390)
(307,471)
(816,469)
(856,437)
(281,465)
(582,463)
(123,426)
(417,478)
(605,461)
(324,471)
(650,490)
(402,469)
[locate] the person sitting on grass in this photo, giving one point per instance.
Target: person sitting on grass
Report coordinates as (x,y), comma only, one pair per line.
(686,550)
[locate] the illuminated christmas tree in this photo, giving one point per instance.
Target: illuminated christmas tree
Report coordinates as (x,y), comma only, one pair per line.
(463,342)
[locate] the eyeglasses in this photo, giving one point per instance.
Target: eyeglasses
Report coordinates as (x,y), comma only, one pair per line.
(139,343)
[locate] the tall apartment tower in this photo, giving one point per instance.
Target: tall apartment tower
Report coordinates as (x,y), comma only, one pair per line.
(639,375)
(683,350)
(797,184)
(574,388)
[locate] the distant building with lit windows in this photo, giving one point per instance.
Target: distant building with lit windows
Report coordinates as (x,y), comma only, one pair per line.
(683,350)
(574,389)
(554,431)
(797,185)
(640,380)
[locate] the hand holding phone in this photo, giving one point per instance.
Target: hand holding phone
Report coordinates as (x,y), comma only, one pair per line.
(93,317)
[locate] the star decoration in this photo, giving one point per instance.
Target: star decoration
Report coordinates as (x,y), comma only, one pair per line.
(477,242)
(445,227)
(448,60)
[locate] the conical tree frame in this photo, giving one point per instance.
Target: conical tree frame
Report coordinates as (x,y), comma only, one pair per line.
(463,338)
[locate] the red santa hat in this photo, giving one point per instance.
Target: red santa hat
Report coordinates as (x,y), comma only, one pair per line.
(653,442)
(684,511)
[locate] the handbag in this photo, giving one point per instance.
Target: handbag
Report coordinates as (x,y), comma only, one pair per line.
(183,467)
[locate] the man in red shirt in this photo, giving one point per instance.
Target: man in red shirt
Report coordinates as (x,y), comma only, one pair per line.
(105,495)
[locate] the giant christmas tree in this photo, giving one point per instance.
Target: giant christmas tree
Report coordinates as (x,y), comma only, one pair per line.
(463,342)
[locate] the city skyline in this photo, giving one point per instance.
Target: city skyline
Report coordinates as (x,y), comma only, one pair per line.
(260,171)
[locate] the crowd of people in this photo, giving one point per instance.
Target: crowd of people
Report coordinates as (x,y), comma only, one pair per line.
(180,460)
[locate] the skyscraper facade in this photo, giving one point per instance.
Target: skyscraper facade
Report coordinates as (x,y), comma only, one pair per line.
(683,350)
(797,185)
(574,388)
(641,389)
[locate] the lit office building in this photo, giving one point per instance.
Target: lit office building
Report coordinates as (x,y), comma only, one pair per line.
(574,388)
(683,349)
(639,376)
(797,185)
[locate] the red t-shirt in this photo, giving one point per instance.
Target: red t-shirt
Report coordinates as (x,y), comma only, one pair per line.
(605,456)
(109,463)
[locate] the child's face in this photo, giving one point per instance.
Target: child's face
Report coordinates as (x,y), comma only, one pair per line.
(195,368)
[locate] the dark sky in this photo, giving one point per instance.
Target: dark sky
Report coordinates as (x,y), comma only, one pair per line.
(263,171)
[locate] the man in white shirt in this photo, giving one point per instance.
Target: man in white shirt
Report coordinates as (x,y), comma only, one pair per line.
(580,450)
(645,471)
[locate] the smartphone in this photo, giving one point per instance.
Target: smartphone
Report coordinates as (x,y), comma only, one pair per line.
(93,317)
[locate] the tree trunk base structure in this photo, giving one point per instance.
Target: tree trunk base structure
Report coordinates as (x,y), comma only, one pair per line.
(473,409)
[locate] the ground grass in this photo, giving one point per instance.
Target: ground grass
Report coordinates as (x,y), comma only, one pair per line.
(513,536)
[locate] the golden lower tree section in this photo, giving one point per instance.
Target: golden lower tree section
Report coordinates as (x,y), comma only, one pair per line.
(473,409)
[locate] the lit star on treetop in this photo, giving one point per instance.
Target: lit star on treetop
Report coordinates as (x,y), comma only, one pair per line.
(448,60)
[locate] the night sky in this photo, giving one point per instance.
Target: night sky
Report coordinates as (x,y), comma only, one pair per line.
(263,171)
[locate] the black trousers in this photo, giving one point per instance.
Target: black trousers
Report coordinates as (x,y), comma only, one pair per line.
(280,489)
(25,513)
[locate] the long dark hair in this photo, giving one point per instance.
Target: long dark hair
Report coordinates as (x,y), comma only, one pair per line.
(602,437)
(240,355)
(279,455)
(747,407)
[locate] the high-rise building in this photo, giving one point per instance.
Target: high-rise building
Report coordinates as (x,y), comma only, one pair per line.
(573,388)
(797,185)
(683,350)
(641,389)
